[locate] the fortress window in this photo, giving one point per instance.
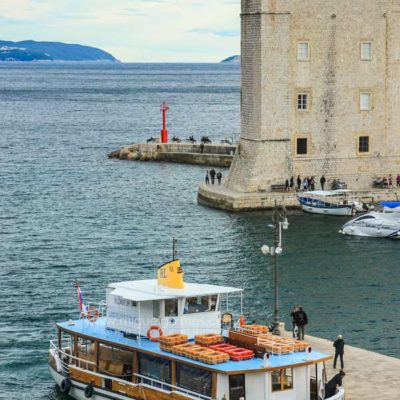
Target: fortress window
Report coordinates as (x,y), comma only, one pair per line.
(303,53)
(302,102)
(301,146)
(363,144)
(365,101)
(366,51)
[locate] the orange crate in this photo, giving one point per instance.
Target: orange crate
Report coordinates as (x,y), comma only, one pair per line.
(240,354)
(194,354)
(213,357)
(166,348)
(182,349)
(173,339)
(208,339)
(254,329)
(223,347)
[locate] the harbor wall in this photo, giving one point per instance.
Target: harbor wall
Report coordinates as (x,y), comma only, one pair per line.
(217,155)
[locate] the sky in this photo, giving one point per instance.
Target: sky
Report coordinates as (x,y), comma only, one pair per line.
(131,30)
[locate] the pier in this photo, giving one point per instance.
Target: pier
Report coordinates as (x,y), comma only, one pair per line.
(219,196)
(216,155)
(369,375)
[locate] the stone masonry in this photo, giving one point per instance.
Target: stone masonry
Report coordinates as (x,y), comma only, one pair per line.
(349,125)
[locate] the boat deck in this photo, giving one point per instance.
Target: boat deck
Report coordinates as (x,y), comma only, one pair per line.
(99,331)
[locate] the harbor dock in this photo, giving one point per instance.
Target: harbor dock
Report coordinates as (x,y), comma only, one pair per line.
(219,196)
(369,375)
(216,155)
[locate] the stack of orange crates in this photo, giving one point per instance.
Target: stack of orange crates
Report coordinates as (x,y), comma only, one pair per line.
(167,342)
(254,330)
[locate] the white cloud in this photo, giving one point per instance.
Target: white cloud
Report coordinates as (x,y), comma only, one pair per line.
(132,30)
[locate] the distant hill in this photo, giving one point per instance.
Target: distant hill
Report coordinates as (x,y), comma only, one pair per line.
(232,60)
(29,50)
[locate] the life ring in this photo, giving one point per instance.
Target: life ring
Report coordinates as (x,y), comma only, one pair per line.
(89,391)
(93,314)
(154,328)
(65,386)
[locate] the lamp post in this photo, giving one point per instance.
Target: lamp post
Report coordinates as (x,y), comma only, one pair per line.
(279,221)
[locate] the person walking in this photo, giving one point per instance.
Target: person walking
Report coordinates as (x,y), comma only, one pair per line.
(207,178)
(291,184)
(294,326)
(338,344)
(333,385)
(287,185)
(322,182)
(301,320)
(299,182)
(219,177)
(390,181)
(212,175)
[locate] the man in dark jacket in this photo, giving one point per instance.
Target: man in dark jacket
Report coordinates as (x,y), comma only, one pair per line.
(338,344)
(322,182)
(212,175)
(332,386)
(301,320)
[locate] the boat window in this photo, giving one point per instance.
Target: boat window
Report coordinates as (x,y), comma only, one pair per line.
(237,387)
(365,217)
(154,368)
(115,361)
(85,348)
(282,379)
(171,308)
(156,309)
(200,304)
(120,301)
(195,379)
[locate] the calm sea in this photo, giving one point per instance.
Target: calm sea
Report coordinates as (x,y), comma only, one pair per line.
(67,211)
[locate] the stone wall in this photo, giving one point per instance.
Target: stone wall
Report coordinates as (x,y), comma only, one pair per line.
(333,77)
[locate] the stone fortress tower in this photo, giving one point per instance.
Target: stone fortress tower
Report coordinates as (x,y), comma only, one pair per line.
(320,92)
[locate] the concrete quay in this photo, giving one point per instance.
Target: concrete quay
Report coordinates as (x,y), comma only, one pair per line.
(219,196)
(217,155)
(369,375)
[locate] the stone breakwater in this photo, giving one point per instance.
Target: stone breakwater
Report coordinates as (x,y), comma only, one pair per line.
(217,155)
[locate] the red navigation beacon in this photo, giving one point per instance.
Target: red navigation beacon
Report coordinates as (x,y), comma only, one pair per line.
(164,132)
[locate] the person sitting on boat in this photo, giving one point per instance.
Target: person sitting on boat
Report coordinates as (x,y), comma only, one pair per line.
(333,385)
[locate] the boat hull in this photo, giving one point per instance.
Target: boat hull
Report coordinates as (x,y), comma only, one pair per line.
(77,390)
(342,211)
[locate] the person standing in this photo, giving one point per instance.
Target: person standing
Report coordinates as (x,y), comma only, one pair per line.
(301,320)
(219,177)
(212,175)
(299,182)
(390,181)
(305,184)
(398,180)
(322,182)
(294,326)
(287,185)
(338,344)
(291,183)
(332,386)
(312,183)
(201,148)
(207,178)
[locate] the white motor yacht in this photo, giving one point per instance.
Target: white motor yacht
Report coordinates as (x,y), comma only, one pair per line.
(381,224)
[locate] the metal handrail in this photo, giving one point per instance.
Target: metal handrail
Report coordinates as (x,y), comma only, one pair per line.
(175,388)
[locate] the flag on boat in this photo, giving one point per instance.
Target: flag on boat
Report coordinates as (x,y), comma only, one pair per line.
(80,298)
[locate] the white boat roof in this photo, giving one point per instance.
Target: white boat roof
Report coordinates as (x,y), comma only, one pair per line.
(148,290)
(326,192)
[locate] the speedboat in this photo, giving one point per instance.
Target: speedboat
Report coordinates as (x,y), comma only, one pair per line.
(381,224)
(334,202)
(166,339)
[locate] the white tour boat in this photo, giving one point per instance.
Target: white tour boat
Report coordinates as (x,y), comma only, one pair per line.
(164,339)
(381,224)
(334,202)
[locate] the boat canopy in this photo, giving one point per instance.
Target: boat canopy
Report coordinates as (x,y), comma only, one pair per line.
(390,204)
(148,290)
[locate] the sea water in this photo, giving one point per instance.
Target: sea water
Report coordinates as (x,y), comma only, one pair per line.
(68,212)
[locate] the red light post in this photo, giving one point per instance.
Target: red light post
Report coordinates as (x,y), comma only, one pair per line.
(164,132)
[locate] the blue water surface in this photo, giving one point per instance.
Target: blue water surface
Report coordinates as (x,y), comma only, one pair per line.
(67,211)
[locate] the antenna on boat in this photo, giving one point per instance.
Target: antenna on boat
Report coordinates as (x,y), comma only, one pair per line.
(174,248)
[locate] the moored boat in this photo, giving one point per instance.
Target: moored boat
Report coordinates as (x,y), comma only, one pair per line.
(383,223)
(167,339)
(334,202)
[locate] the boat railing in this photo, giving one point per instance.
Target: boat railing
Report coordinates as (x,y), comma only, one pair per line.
(171,388)
(65,358)
(94,310)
